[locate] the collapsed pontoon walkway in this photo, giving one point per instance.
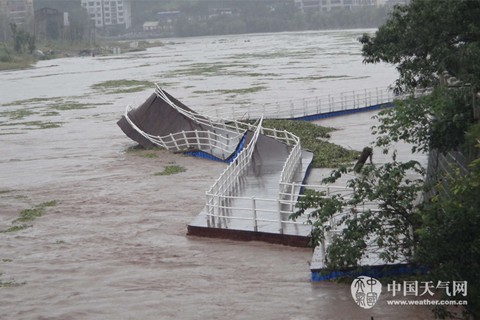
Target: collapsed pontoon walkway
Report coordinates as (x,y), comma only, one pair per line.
(256,194)
(257,212)
(254,197)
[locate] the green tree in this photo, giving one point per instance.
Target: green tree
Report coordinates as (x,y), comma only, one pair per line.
(382,213)
(449,239)
(435,45)
(435,121)
(427,38)
(429,41)
(22,40)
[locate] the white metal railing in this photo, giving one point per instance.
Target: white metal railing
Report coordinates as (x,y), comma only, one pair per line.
(230,177)
(222,136)
(310,106)
(211,141)
(287,190)
(257,210)
(225,123)
(298,108)
(254,209)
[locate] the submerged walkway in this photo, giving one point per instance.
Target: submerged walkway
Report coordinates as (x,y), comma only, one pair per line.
(259,210)
(255,196)
(256,212)
(258,191)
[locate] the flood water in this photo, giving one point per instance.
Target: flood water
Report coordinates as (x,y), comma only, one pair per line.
(114,245)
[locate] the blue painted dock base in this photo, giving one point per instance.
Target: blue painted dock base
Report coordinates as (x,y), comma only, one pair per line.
(376,272)
(324,115)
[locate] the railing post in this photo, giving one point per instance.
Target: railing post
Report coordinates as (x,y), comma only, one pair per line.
(254,208)
(197,138)
(292,192)
(174,141)
(210,219)
(161,142)
(217,204)
(185,138)
(279,206)
(210,141)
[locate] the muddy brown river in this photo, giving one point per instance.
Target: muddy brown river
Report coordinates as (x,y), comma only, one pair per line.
(113,245)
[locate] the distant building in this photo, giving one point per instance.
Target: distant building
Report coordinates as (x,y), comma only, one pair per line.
(392,3)
(150,25)
(215,12)
(166,17)
(50,23)
(328,5)
(109,12)
(19,12)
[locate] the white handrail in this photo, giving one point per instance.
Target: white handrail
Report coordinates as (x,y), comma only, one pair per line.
(222,136)
(291,109)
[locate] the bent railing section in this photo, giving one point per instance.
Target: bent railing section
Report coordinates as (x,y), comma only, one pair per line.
(210,141)
(221,137)
(225,123)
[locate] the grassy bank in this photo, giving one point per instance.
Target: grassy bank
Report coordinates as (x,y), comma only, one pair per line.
(10,61)
(314,138)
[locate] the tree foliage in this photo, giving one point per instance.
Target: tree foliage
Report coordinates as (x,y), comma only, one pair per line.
(22,40)
(449,238)
(381,213)
(427,38)
(430,42)
(435,121)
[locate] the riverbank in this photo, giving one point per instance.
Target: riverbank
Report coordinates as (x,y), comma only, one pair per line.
(9,60)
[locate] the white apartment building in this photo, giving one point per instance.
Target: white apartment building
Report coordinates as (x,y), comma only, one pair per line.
(109,12)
